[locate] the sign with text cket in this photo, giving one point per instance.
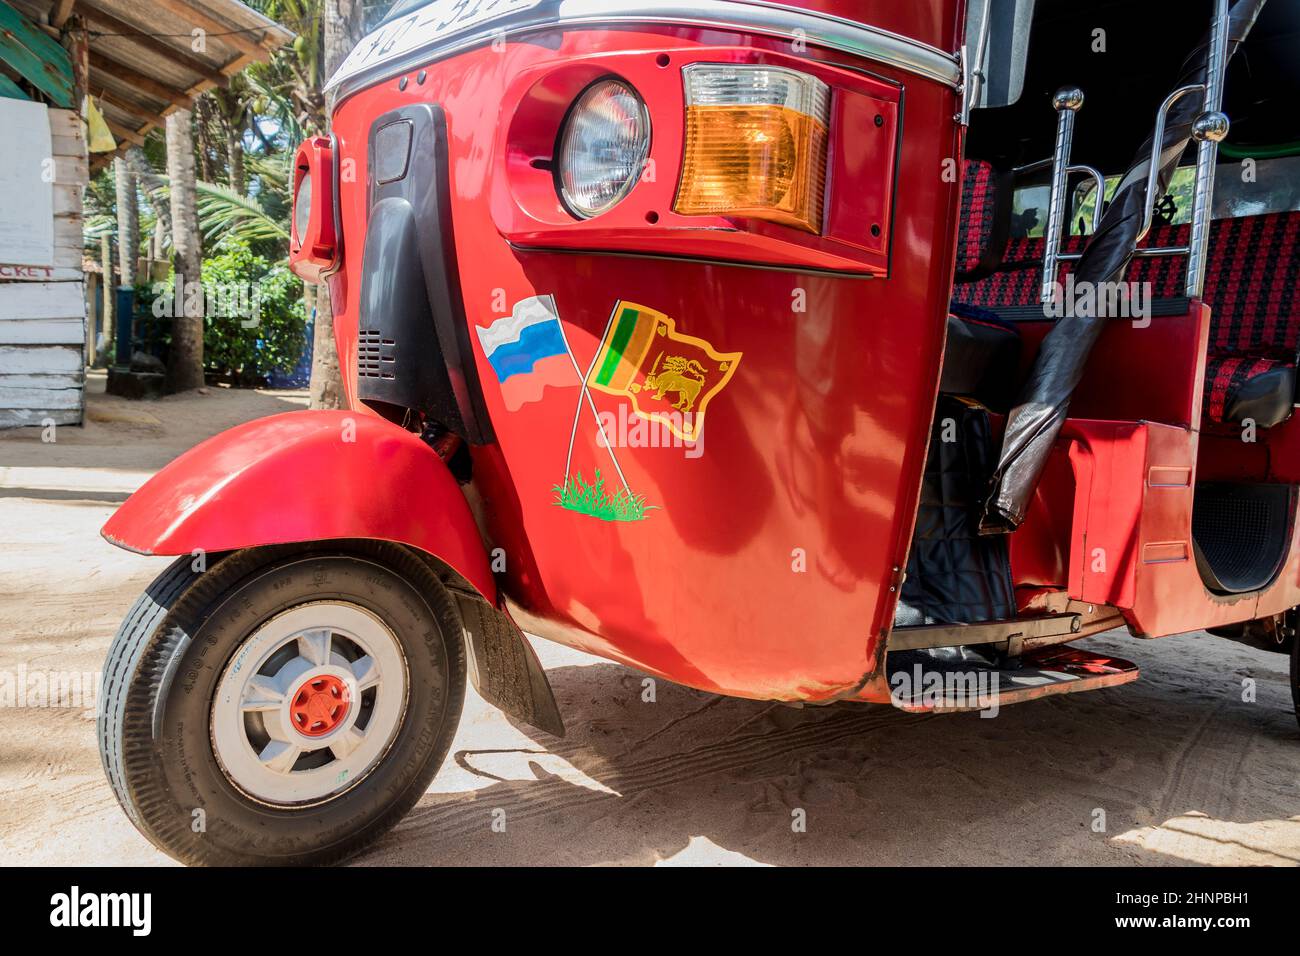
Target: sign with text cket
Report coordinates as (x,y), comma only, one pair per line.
(27,185)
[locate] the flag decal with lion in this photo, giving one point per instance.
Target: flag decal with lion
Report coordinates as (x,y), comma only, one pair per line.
(669,377)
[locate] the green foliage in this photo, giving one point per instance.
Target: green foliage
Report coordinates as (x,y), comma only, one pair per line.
(593,499)
(235,275)
(269,108)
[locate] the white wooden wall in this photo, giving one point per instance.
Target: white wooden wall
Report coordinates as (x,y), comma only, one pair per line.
(43,311)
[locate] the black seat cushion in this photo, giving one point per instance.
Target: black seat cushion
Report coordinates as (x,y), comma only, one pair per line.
(980,358)
(1240,387)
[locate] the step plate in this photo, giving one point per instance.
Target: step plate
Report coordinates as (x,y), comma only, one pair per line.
(920,685)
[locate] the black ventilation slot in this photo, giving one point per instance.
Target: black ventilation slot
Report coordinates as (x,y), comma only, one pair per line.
(376,355)
(1241,534)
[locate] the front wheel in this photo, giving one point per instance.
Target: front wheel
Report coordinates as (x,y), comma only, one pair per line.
(284,706)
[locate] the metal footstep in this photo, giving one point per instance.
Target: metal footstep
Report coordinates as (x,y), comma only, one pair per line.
(919,684)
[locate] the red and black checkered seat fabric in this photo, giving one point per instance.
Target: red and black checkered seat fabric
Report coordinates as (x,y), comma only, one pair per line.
(1252,285)
(982,229)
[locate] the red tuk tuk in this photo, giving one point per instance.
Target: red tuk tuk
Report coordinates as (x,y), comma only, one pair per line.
(981,384)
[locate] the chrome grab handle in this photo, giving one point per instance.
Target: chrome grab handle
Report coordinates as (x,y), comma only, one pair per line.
(1099,184)
(1144,253)
(1099,181)
(1157,141)
(1066,102)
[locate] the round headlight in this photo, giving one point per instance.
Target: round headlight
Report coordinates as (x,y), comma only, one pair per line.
(603,147)
(302,207)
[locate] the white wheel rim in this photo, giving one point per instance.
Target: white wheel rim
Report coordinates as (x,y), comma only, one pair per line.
(309,704)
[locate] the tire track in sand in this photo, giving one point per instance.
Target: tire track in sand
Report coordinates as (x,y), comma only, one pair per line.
(469,815)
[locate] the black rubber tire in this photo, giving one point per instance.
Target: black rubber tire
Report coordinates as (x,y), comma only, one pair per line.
(166,661)
(1295,674)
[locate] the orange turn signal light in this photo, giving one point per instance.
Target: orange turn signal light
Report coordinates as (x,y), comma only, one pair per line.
(755,144)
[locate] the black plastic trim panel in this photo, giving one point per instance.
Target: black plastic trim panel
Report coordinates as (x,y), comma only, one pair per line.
(412,314)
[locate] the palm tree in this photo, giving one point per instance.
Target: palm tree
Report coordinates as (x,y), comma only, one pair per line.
(128,221)
(222,211)
(234,110)
(185,365)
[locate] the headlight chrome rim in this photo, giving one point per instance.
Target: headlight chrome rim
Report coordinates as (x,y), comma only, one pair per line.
(573,205)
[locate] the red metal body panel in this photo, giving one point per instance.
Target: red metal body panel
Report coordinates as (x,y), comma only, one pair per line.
(1151,370)
(938,24)
(1112,519)
(1131,541)
(305,476)
(813,452)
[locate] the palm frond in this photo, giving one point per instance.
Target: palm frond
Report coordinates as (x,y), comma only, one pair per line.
(223,211)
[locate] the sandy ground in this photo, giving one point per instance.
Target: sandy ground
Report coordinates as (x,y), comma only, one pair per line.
(1175,768)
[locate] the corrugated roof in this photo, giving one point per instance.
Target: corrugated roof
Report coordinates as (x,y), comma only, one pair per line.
(143,61)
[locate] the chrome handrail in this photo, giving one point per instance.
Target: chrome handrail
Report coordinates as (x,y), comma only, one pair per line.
(1208,129)
(1066,102)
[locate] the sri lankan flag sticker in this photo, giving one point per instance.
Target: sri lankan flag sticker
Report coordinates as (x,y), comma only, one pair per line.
(670,378)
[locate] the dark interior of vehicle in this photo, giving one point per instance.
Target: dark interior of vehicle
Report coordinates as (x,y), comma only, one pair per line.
(1126,57)
(1144,44)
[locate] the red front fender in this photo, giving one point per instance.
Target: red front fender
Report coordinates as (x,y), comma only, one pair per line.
(305,476)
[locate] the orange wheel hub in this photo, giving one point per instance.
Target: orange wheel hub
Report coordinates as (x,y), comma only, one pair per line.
(319,706)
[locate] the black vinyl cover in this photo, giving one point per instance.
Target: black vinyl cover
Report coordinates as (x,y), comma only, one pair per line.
(980,358)
(954,576)
(1267,399)
(1044,401)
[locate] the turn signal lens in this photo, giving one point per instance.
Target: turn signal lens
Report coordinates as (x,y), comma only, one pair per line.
(755,144)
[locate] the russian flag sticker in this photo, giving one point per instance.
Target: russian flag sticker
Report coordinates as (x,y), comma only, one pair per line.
(527,351)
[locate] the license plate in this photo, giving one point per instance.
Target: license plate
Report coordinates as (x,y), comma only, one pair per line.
(428,24)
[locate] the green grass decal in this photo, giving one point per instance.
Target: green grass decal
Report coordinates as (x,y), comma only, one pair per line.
(592,499)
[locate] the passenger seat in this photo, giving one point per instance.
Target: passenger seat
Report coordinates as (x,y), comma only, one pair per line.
(982,352)
(1252,287)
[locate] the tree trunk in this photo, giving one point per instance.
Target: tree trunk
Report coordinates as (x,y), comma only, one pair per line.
(128,222)
(203,114)
(235,159)
(343,29)
(106,289)
(185,365)
(77,42)
(154,187)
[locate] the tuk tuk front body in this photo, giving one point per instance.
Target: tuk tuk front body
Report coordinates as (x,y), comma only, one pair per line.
(685,335)
(746,535)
